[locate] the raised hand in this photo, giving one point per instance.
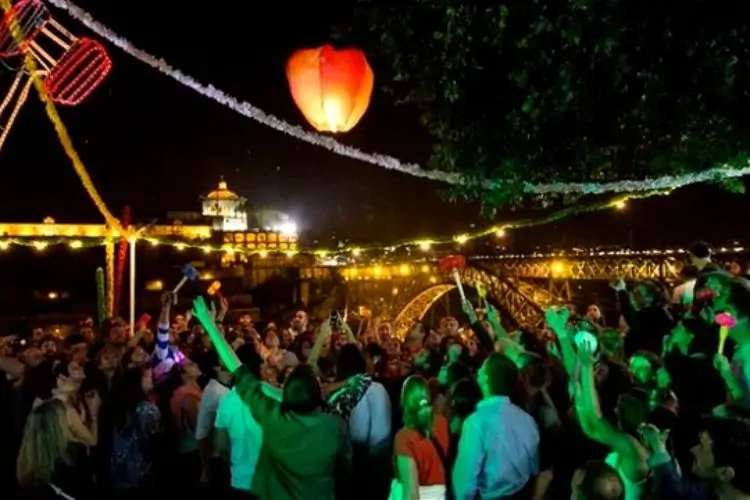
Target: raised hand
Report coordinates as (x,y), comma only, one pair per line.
(201,311)
(167,298)
(469,310)
(654,438)
(586,354)
(618,285)
(557,319)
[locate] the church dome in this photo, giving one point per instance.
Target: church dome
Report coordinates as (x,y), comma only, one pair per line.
(222,193)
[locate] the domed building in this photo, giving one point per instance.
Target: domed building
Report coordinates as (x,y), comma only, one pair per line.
(225,208)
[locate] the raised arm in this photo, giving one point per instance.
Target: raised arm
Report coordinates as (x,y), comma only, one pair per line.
(350,338)
(323,333)
(557,320)
(598,428)
(249,388)
(162,328)
(483,336)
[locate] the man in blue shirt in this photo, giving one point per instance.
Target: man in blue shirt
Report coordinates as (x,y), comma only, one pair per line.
(498,452)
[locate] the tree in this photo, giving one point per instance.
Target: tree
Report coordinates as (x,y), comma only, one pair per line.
(566,90)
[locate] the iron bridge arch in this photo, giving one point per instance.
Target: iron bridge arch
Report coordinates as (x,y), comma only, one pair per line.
(523,301)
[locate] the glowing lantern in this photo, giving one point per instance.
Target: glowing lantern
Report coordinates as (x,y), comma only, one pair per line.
(332,88)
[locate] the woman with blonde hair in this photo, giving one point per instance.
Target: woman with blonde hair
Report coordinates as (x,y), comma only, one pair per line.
(421,447)
(50,463)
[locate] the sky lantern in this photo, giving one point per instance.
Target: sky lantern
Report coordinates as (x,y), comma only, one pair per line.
(332,88)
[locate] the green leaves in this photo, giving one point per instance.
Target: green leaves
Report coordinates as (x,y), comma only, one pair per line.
(582,90)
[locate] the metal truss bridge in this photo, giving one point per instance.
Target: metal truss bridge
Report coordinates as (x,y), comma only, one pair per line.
(522,286)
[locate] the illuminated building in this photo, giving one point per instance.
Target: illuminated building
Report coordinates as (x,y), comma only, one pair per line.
(226,209)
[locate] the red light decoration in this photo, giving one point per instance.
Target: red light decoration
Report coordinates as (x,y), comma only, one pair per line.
(78,72)
(332,88)
(31,16)
(450,263)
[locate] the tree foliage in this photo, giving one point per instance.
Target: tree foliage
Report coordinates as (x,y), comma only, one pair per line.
(566,90)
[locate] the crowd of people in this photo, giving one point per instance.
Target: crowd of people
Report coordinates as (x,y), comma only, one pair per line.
(650,403)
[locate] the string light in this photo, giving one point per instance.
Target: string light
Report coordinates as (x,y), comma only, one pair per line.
(403,269)
(246,109)
(30,16)
(20,97)
(85,236)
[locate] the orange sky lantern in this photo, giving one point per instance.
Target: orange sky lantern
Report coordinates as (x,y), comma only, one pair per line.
(331,87)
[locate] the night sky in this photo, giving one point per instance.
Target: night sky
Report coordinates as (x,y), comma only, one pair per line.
(156,146)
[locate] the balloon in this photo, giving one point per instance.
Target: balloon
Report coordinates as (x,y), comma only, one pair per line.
(332,88)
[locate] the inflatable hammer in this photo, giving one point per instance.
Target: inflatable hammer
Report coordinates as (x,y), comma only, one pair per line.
(189,273)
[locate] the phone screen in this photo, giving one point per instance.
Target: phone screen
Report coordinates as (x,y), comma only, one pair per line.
(334,318)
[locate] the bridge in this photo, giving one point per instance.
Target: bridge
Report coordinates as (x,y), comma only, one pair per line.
(521,286)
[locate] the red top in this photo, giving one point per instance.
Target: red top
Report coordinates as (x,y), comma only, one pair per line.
(413,444)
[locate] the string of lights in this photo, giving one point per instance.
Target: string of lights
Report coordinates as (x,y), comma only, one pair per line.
(78,239)
(248,110)
(44,244)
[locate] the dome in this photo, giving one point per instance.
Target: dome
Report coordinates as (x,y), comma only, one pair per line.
(223,193)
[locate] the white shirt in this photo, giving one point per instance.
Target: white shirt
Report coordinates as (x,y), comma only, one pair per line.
(370,421)
(212,394)
(683,294)
(245,436)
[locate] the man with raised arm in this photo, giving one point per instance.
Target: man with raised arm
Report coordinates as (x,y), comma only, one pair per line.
(305,453)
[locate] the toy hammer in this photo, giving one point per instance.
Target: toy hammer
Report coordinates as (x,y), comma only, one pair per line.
(725,322)
(215,290)
(189,273)
(454,264)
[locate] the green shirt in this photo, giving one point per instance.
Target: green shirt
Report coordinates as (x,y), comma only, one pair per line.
(302,457)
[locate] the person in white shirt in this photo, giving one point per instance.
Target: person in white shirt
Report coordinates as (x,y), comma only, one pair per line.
(238,435)
(369,418)
(216,389)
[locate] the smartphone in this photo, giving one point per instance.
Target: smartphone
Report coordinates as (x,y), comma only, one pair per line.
(334,318)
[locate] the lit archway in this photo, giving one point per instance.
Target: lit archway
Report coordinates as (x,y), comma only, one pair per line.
(523,301)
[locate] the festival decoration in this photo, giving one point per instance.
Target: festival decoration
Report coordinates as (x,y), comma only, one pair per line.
(454,264)
(101,296)
(109,253)
(78,73)
(726,322)
(183,238)
(122,254)
(183,235)
(11,22)
(31,16)
(42,245)
(69,78)
(332,88)
(246,109)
